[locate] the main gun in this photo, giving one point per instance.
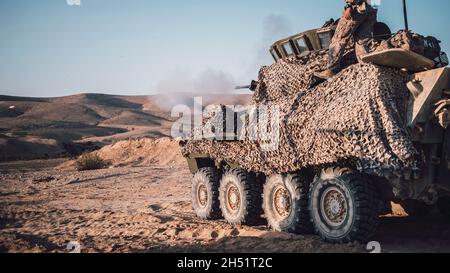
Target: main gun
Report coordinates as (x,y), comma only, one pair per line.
(251,87)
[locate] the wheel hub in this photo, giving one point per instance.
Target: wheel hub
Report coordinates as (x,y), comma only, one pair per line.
(233,197)
(334,206)
(282,202)
(202,194)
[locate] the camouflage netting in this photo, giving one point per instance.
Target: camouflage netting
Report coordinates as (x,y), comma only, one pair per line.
(402,39)
(355,119)
(288,76)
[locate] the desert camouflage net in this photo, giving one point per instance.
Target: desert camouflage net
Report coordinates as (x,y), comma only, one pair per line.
(402,39)
(355,119)
(289,76)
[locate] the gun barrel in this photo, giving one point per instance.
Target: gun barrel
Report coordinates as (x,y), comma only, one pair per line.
(242,87)
(252,86)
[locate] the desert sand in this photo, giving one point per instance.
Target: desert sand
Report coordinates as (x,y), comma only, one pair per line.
(144,206)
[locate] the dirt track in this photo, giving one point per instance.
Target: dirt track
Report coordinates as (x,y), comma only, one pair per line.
(147,209)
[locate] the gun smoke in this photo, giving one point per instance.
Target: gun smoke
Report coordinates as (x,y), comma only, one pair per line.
(181,85)
(275,27)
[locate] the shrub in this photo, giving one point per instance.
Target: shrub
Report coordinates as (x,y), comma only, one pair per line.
(90,161)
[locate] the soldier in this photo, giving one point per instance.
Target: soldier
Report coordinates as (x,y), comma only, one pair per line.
(357,22)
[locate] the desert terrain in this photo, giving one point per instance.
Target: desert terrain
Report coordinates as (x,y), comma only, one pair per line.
(140,202)
(36,128)
(144,206)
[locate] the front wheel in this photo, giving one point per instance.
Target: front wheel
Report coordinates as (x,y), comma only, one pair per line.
(205,194)
(344,206)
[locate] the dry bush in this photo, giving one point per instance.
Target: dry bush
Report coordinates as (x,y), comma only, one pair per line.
(90,161)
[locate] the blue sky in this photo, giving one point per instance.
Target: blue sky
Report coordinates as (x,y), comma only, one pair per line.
(49,48)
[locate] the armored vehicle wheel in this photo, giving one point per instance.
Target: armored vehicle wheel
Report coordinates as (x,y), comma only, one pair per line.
(240,197)
(205,194)
(285,203)
(444,206)
(415,208)
(344,206)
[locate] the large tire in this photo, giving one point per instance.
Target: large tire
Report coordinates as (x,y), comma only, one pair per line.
(444,206)
(285,203)
(344,206)
(240,197)
(205,194)
(416,208)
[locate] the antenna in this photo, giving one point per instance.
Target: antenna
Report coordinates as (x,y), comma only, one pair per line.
(405,15)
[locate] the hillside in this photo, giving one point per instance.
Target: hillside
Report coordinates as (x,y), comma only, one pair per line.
(47,127)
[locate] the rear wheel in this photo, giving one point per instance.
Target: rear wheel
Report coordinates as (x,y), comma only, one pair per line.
(344,206)
(240,197)
(205,194)
(285,203)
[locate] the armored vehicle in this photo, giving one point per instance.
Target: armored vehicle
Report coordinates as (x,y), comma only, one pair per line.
(338,201)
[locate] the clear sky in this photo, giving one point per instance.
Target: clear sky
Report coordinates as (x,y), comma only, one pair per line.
(51,48)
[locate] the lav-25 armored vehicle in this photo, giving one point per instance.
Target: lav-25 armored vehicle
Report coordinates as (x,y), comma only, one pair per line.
(341,204)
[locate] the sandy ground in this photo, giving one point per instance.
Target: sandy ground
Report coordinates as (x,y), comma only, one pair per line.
(147,209)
